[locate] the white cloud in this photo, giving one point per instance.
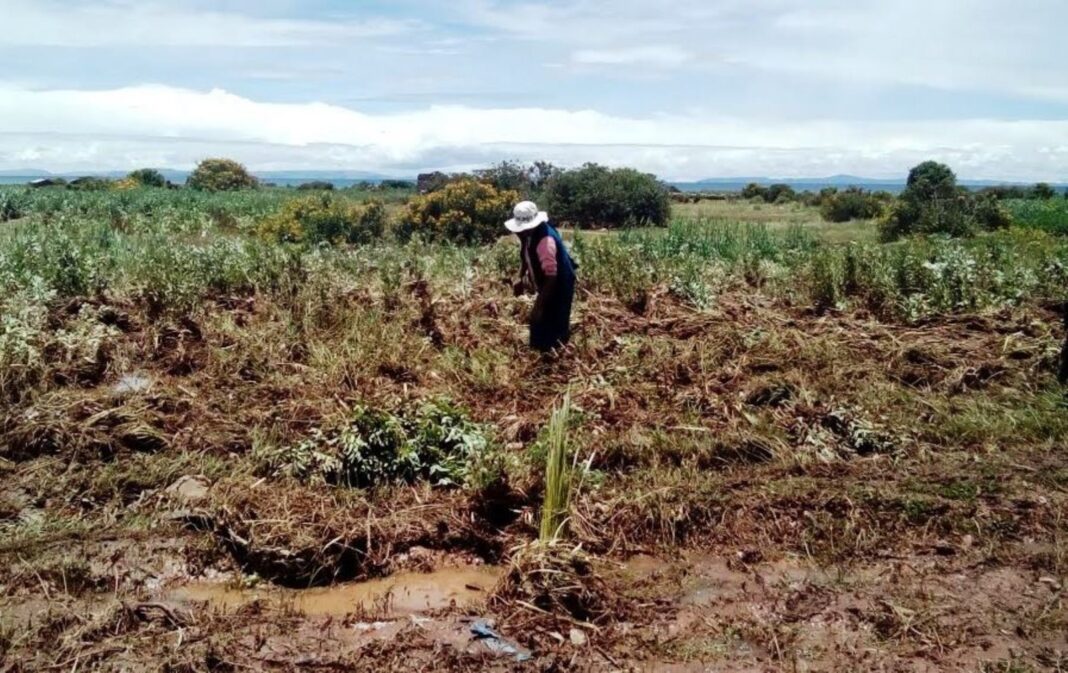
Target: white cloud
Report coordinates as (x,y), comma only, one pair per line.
(165,126)
(149,23)
(653,55)
(980,45)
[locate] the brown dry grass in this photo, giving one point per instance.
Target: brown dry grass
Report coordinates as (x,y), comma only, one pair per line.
(752,426)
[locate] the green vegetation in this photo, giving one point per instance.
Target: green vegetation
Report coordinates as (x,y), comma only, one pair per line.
(529,181)
(777,193)
(220,175)
(933,204)
(316,186)
(301,387)
(595,196)
(556,504)
(325,218)
(147,177)
(1048,215)
(435,443)
(851,204)
(1043,191)
(467,212)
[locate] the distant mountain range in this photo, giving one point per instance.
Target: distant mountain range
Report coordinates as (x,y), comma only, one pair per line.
(343,178)
(840,181)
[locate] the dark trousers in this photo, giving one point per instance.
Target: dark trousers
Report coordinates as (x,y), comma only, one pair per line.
(554,329)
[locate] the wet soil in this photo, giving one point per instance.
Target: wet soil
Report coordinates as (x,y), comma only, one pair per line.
(389,597)
(767,489)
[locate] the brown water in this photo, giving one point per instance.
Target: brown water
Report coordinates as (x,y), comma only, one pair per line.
(396,595)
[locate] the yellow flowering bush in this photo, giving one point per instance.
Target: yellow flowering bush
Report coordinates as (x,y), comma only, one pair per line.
(466,212)
(325,217)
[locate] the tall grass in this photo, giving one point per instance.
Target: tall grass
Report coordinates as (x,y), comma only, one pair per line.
(556,505)
(176,247)
(911,279)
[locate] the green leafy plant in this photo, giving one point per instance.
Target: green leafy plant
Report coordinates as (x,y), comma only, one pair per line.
(436,442)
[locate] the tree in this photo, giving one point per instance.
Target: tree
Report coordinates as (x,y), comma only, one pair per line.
(147,177)
(426,183)
(933,204)
(220,175)
(755,191)
(1043,191)
(528,180)
(930,181)
(779,193)
(596,196)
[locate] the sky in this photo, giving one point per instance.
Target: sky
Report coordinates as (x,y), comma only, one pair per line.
(685,89)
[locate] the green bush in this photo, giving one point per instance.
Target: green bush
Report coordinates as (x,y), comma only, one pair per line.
(465,212)
(780,193)
(325,217)
(852,204)
(436,442)
(754,191)
(596,196)
(1043,191)
(148,177)
(11,205)
(933,204)
(776,193)
(220,175)
(89,183)
(316,185)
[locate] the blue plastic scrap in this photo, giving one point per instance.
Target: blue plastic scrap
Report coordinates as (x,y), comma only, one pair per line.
(481,630)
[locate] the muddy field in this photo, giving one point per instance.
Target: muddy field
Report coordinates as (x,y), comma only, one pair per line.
(760,487)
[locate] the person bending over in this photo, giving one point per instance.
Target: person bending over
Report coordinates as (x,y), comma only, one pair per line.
(547,267)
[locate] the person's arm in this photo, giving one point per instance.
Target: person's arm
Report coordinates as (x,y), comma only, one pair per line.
(547,258)
(520,286)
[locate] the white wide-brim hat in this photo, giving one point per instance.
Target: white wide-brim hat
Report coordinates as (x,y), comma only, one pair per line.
(526,216)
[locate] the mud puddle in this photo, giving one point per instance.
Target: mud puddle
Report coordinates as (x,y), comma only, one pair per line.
(398,595)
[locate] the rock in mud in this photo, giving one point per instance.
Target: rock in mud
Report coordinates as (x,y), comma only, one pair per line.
(189,490)
(578,637)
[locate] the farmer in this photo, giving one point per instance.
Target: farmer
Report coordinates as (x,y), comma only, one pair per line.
(546,267)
